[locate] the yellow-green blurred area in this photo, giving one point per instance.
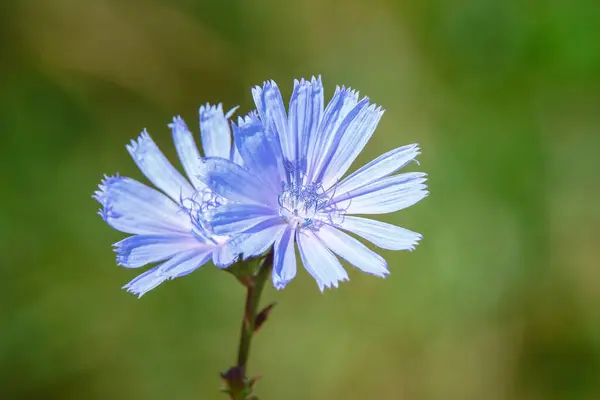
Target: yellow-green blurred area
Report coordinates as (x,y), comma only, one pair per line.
(501,300)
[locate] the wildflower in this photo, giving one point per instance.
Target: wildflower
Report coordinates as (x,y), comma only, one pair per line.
(288,190)
(169,227)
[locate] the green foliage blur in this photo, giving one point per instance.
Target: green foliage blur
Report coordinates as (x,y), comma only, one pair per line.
(500,301)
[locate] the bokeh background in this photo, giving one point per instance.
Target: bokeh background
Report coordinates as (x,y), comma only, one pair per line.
(500,301)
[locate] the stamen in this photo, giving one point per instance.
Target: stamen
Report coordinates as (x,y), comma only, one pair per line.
(196,207)
(299,204)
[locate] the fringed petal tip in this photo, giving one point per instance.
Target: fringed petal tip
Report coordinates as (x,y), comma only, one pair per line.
(414,151)
(123,251)
(375,111)
(139,144)
(417,179)
(138,290)
(247,120)
(331,284)
(348,92)
(416,241)
(269,84)
(314,80)
(207,111)
(101,195)
(178,123)
(280,285)
(145,282)
(120,259)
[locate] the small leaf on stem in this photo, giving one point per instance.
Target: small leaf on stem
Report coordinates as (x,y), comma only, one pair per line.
(262,316)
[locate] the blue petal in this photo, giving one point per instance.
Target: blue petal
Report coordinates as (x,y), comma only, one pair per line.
(386,236)
(256,240)
(187,151)
(145,282)
(386,195)
(136,251)
(382,166)
(284,259)
(184,263)
(260,151)
(235,156)
(343,101)
(332,142)
(272,113)
(349,142)
(132,207)
(319,261)
(224,256)
(216,136)
(230,113)
(179,265)
(235,183)
(306,111)
(353,251)
(238,217)
(152,162)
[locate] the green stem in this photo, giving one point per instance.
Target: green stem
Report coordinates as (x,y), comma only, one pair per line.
(239,386)
(253,294)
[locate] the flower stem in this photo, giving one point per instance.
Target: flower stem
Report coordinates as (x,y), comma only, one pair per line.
(239,386)
(254,291)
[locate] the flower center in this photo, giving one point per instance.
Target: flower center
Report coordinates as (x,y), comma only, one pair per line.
(299,204)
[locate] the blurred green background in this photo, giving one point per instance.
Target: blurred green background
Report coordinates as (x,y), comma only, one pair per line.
(500,301)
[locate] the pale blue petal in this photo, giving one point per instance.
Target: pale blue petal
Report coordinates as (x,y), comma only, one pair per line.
(238,217)
(224,256)
(319,261)
(184,263)
(331,138)
(386,195)
(235,183)
(214,128)
(382,166)
(153,163)
(256,240)
(139,250)
(179,265)
(344,100)
(284,258)
(230,113)
(260,150)
(305,113)
(353,251)
(384,235)
(145,282)
(272,113)
(235,156)
(349,143)
(132,207)
(187,151)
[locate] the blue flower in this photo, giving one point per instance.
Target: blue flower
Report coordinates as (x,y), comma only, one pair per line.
(289,191)
(169,227)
